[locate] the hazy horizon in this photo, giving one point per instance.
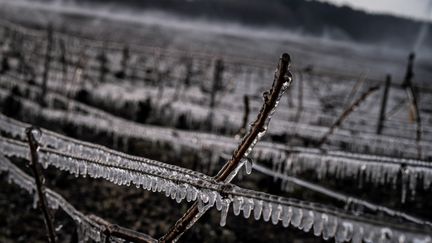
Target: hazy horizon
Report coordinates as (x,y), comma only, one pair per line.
(417,9)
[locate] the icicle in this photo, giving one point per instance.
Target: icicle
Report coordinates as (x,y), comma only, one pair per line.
(247,208)
(219,202)
(386,235)
(258,207)
(233,174)
(318,223)
(344,232)
(201,206)
(413,184)
(237,205)
(330,227)
(307,222)
(248,166)
(277,210)
(296,217)
(178,196)
(224,212)
(358,233)
(405,180)
(35,200)
(287,214)
(267,211)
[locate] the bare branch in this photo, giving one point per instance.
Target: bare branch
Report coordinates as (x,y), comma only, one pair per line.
(346,113)
(413,101)
(121,232)
(39,182)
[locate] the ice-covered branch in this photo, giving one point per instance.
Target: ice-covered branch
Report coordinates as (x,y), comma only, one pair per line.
(282,80)
(325,221)
(379,170)
(88,228)
(39,181)
(345,114)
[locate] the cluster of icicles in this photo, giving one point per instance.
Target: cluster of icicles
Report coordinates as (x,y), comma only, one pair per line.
(358,143)
(87,228)
(85,159)
(340,164)
(378,170)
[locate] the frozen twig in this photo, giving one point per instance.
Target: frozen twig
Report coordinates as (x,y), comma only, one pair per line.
(282,81)
(39,182)
(243,128)
(348,200)
(346,113)
(412,98)
(63,60)
(120,232)
(355,88)
(413,101)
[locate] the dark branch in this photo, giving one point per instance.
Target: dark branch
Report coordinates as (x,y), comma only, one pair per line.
(120,232)
(39,182)
(282,81)
(346,113)
(383,105)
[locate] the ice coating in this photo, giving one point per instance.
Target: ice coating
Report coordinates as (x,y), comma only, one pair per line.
(95,161)
(293,160)
(87,229)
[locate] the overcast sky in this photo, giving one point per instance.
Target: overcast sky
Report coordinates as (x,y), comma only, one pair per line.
(411,8)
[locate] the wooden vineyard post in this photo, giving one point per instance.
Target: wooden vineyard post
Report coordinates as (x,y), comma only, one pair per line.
(102,66)
(409,75)
(5,60)
(46,63)
(281,83)
(33,144)
(63,60)
(383,105)
(124,63)
(243,128)
(217,81)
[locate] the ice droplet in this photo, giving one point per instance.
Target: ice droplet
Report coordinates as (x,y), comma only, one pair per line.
(248,166)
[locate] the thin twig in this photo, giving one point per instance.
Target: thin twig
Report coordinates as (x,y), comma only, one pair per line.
(413,100)
(121,232)
(63,60)
(282,81)
(345,114)
(354,90)
(39,182)
(395,109)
